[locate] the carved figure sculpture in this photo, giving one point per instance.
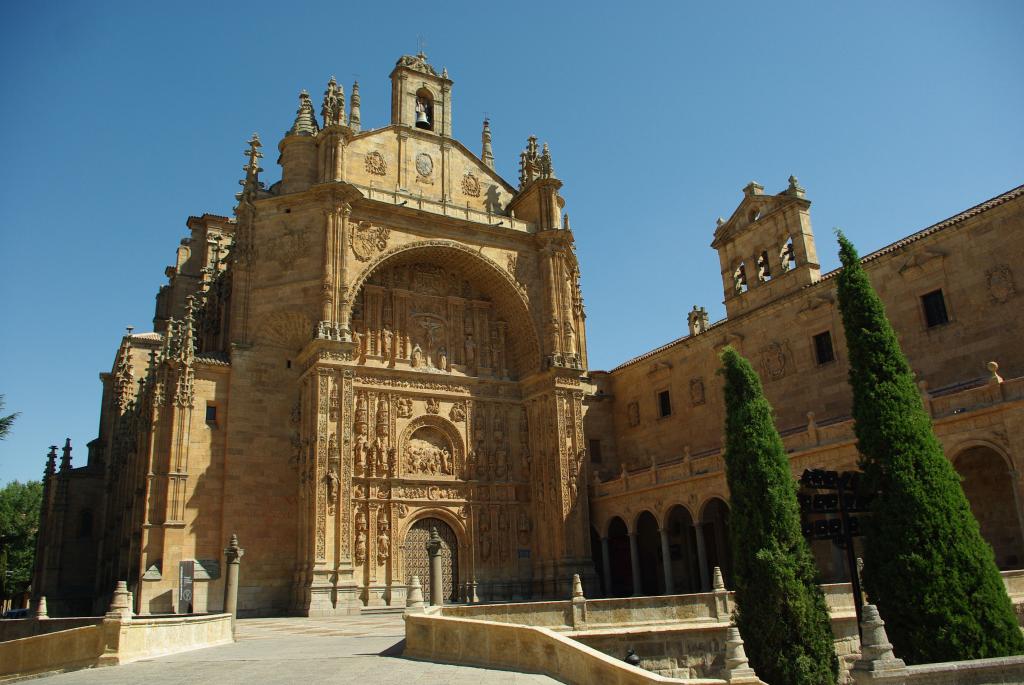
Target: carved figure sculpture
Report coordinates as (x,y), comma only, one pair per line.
(458,412)
(470,351)
(442,359)
(404,407)
(388,340)
(485,535)
(417,356)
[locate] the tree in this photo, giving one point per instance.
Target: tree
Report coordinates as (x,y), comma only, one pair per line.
(926,566)
(19,523)
(6,421)
(780,609)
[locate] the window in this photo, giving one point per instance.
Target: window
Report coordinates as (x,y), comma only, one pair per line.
(211,413)
(935,313)
(594,445)
(664,404)
(823,352)
(764,269)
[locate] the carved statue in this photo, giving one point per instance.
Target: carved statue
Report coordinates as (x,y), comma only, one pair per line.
(417,356)
(360,547)
(383,547)
(442,359)
(433,405)
(471,465)
(470,351)
(404,407)
(458,412)
(523,528)
(503,534)
(388,340)
(485,534)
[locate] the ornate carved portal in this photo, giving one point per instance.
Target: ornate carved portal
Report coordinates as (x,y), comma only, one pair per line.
(418,564)
(439,406)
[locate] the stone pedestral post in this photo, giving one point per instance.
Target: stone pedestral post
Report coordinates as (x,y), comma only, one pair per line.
(41,608)
(579,603)
(414,600)
(434,552)
(721,595)
(737,670)
(234,558)
(120,604)
(877,663)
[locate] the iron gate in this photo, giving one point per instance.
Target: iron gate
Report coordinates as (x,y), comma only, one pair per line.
(418,564)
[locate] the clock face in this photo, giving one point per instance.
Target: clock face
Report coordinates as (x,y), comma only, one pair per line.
(424,164)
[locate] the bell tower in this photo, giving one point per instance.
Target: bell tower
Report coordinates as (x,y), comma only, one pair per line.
(420,98)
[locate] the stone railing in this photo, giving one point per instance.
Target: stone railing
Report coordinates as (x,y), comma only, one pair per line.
(17,628)
(111,641)
(530,649)
(448,209)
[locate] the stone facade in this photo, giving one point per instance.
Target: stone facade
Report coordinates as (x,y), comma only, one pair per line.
(659,487)
(392,339)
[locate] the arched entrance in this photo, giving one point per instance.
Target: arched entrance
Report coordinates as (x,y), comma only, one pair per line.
(682,545)
(717,547)
(648,544)
(621,582)
(989,488)
(418,564)
(595,557)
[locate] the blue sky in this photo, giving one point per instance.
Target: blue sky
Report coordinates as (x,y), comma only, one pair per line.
(119,120)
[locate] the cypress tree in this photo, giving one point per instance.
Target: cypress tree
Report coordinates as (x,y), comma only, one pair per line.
(780,609)
(926,566)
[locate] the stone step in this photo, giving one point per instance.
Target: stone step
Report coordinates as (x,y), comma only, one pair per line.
(371,611)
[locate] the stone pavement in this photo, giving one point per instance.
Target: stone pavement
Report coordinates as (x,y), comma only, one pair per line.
(311,651)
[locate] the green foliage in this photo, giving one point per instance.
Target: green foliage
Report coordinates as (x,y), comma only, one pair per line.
(6,421)
(926,566)
(19,521)
(780,609)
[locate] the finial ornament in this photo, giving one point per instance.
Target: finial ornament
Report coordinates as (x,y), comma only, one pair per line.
(794,187)
(354,122)
(332,111)
(534,166)
(65,458)
(251,184)
(305,120)
(487,155)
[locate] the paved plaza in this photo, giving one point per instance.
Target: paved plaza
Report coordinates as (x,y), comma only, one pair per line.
(359,649)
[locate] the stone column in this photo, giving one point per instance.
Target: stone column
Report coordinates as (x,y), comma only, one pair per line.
(702,558)
(234,558)
(666,562)
(634,559)
(434,552)
(606,567)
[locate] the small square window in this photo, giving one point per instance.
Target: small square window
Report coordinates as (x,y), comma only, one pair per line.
(664,404)
(823,352)
(211,413)
(594,445)
(935,313)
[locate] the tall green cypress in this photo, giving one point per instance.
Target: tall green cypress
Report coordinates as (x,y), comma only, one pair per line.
(780,609)
(926,566)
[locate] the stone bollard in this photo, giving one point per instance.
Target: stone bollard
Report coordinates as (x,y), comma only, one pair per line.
(436,584)
(737,669)
(414,600)
(41,607)
(234,556)
(473,596)
(877,660)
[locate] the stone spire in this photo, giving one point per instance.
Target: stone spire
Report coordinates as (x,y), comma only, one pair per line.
(183,355)
(353,117)
(251,184)
(488,154)
(65,458)
(51,463)
(305,119)
(124,375)
(333,109)
(737,668)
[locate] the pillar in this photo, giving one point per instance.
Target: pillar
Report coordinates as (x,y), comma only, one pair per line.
(606,567)
(666,562)
(234,558)
(702,558)
(634,560)
(434,552)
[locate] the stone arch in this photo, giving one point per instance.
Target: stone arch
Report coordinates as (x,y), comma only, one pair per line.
(508,295)
(459,552)
(713,536)
(648,547)
(986,474)
(682,541)
(442,426)
(619,561)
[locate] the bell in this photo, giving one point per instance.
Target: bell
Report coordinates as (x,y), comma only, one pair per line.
(421,118)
